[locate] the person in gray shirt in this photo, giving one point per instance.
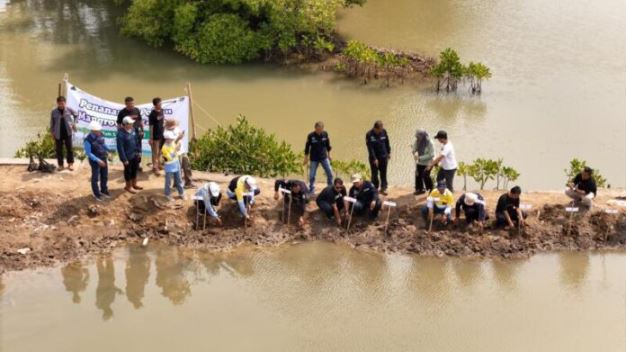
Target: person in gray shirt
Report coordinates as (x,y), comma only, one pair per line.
(62,125)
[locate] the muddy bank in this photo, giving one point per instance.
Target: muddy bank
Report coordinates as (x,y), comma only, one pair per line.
(55,218)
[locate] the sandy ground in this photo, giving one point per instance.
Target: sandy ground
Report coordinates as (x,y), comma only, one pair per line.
(55,218)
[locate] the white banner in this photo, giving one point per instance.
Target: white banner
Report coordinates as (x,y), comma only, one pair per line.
(89,107)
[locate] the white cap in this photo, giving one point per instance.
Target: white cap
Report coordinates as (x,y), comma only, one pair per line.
(251,182)
(214,189)
(169,135)
(470,198)
(128,120)
(95,126)
(355,178)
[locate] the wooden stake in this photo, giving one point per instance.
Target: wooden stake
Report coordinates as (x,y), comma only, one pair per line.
(289,210)
(191,110)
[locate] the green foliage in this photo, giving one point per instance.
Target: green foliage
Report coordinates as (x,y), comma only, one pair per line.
(234,31)
(508,174)
(242,148)
(43,146)
(345,169)
(483,170)
(576,166)
(449,71)
(360,60)
(463,170)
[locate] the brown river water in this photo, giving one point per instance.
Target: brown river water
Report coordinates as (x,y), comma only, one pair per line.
(558,89)
(316,297)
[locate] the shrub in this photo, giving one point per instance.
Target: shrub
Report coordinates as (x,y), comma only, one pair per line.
(242,148)
(576,166)
(449,71)
(345,169)
(43,146)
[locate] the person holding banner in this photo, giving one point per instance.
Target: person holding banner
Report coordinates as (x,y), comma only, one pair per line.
(299,197)
(155,120)
(129,152)
(97,153)
(367,197)
(62,125)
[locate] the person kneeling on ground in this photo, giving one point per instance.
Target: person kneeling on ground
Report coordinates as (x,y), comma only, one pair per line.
(171,165)
(582,189)
(439,203)
(97,153)
(243,189)
(474,209)
(299,197)
(367,197)
(129,152)
(331,201)
(508,212)
(211,196)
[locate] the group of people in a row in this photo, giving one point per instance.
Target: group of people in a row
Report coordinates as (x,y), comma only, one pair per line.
(165,137)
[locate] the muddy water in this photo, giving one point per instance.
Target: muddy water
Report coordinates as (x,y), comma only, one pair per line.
(316,297)
(557,92)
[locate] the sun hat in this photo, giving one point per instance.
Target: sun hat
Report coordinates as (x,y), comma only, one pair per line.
(470,198)
(214,189)
(128,120)
(95,126)
(251,182)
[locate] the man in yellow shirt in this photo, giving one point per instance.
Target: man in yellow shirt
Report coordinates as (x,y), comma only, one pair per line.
(439,204)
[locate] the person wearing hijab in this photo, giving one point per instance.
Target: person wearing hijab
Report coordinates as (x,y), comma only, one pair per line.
(423,154)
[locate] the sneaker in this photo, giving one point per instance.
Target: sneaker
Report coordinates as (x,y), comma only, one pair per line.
(168,198)
(189,185)
(97,198)
(384,192)
(105,195)
(60,167)
(417,193)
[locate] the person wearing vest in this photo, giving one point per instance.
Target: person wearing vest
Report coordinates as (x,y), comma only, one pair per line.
(97,153)
(62,125)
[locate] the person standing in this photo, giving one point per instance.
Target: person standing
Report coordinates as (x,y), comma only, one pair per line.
(582,189)
(298,195)
(129,153)
(367,197)
(331,201)
(171,165)
(423,155)
(97,153)
(318,148)
(508,212)
(134,113)
(62,125)
(379,153)
(446,159)
(172,125)
(155,121)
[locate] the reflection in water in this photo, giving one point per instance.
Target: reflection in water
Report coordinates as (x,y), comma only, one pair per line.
(171,268)
(574,269)
(467,271)
(75,279)
(505,272)
(137,273)
(428,278)
(106,290)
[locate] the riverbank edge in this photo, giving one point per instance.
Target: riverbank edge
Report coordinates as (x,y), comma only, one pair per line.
(54,218)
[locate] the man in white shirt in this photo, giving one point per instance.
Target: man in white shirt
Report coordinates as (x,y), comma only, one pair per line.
(446,159)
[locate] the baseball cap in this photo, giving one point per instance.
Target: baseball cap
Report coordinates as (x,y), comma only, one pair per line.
(441,134)
(95,126)
(355,178)
(470,198)
(251,182)
(441,184)
(169,135)
(214,189)
(128,120)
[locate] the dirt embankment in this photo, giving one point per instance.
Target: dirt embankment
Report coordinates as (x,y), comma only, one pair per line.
(56,219)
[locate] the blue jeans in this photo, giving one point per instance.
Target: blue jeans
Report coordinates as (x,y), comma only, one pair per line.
(97,173)
(177,182)
(313,167)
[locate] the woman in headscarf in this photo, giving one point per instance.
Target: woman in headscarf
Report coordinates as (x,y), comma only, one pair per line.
(423,154)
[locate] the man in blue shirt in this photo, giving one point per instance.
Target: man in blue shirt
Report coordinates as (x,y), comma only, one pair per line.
(211,196)
(318,148)
(97,153)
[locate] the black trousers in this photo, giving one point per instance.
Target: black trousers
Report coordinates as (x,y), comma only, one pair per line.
(298,205)
(130,170)
(327,207)
(380,170)
(423,178)
(360,208)
(448,176)
(59,144)
(502,221)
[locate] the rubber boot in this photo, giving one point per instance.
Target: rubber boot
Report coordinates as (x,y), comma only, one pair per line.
(128,187)
(135,186)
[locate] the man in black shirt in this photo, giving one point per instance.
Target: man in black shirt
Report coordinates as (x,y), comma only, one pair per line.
(155,120)
(331,201)
(508,212)
(582,189)
(318,148)
(138,125)
(62,125)
(367,197)
(379,151)
(298,195)
(473,206)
